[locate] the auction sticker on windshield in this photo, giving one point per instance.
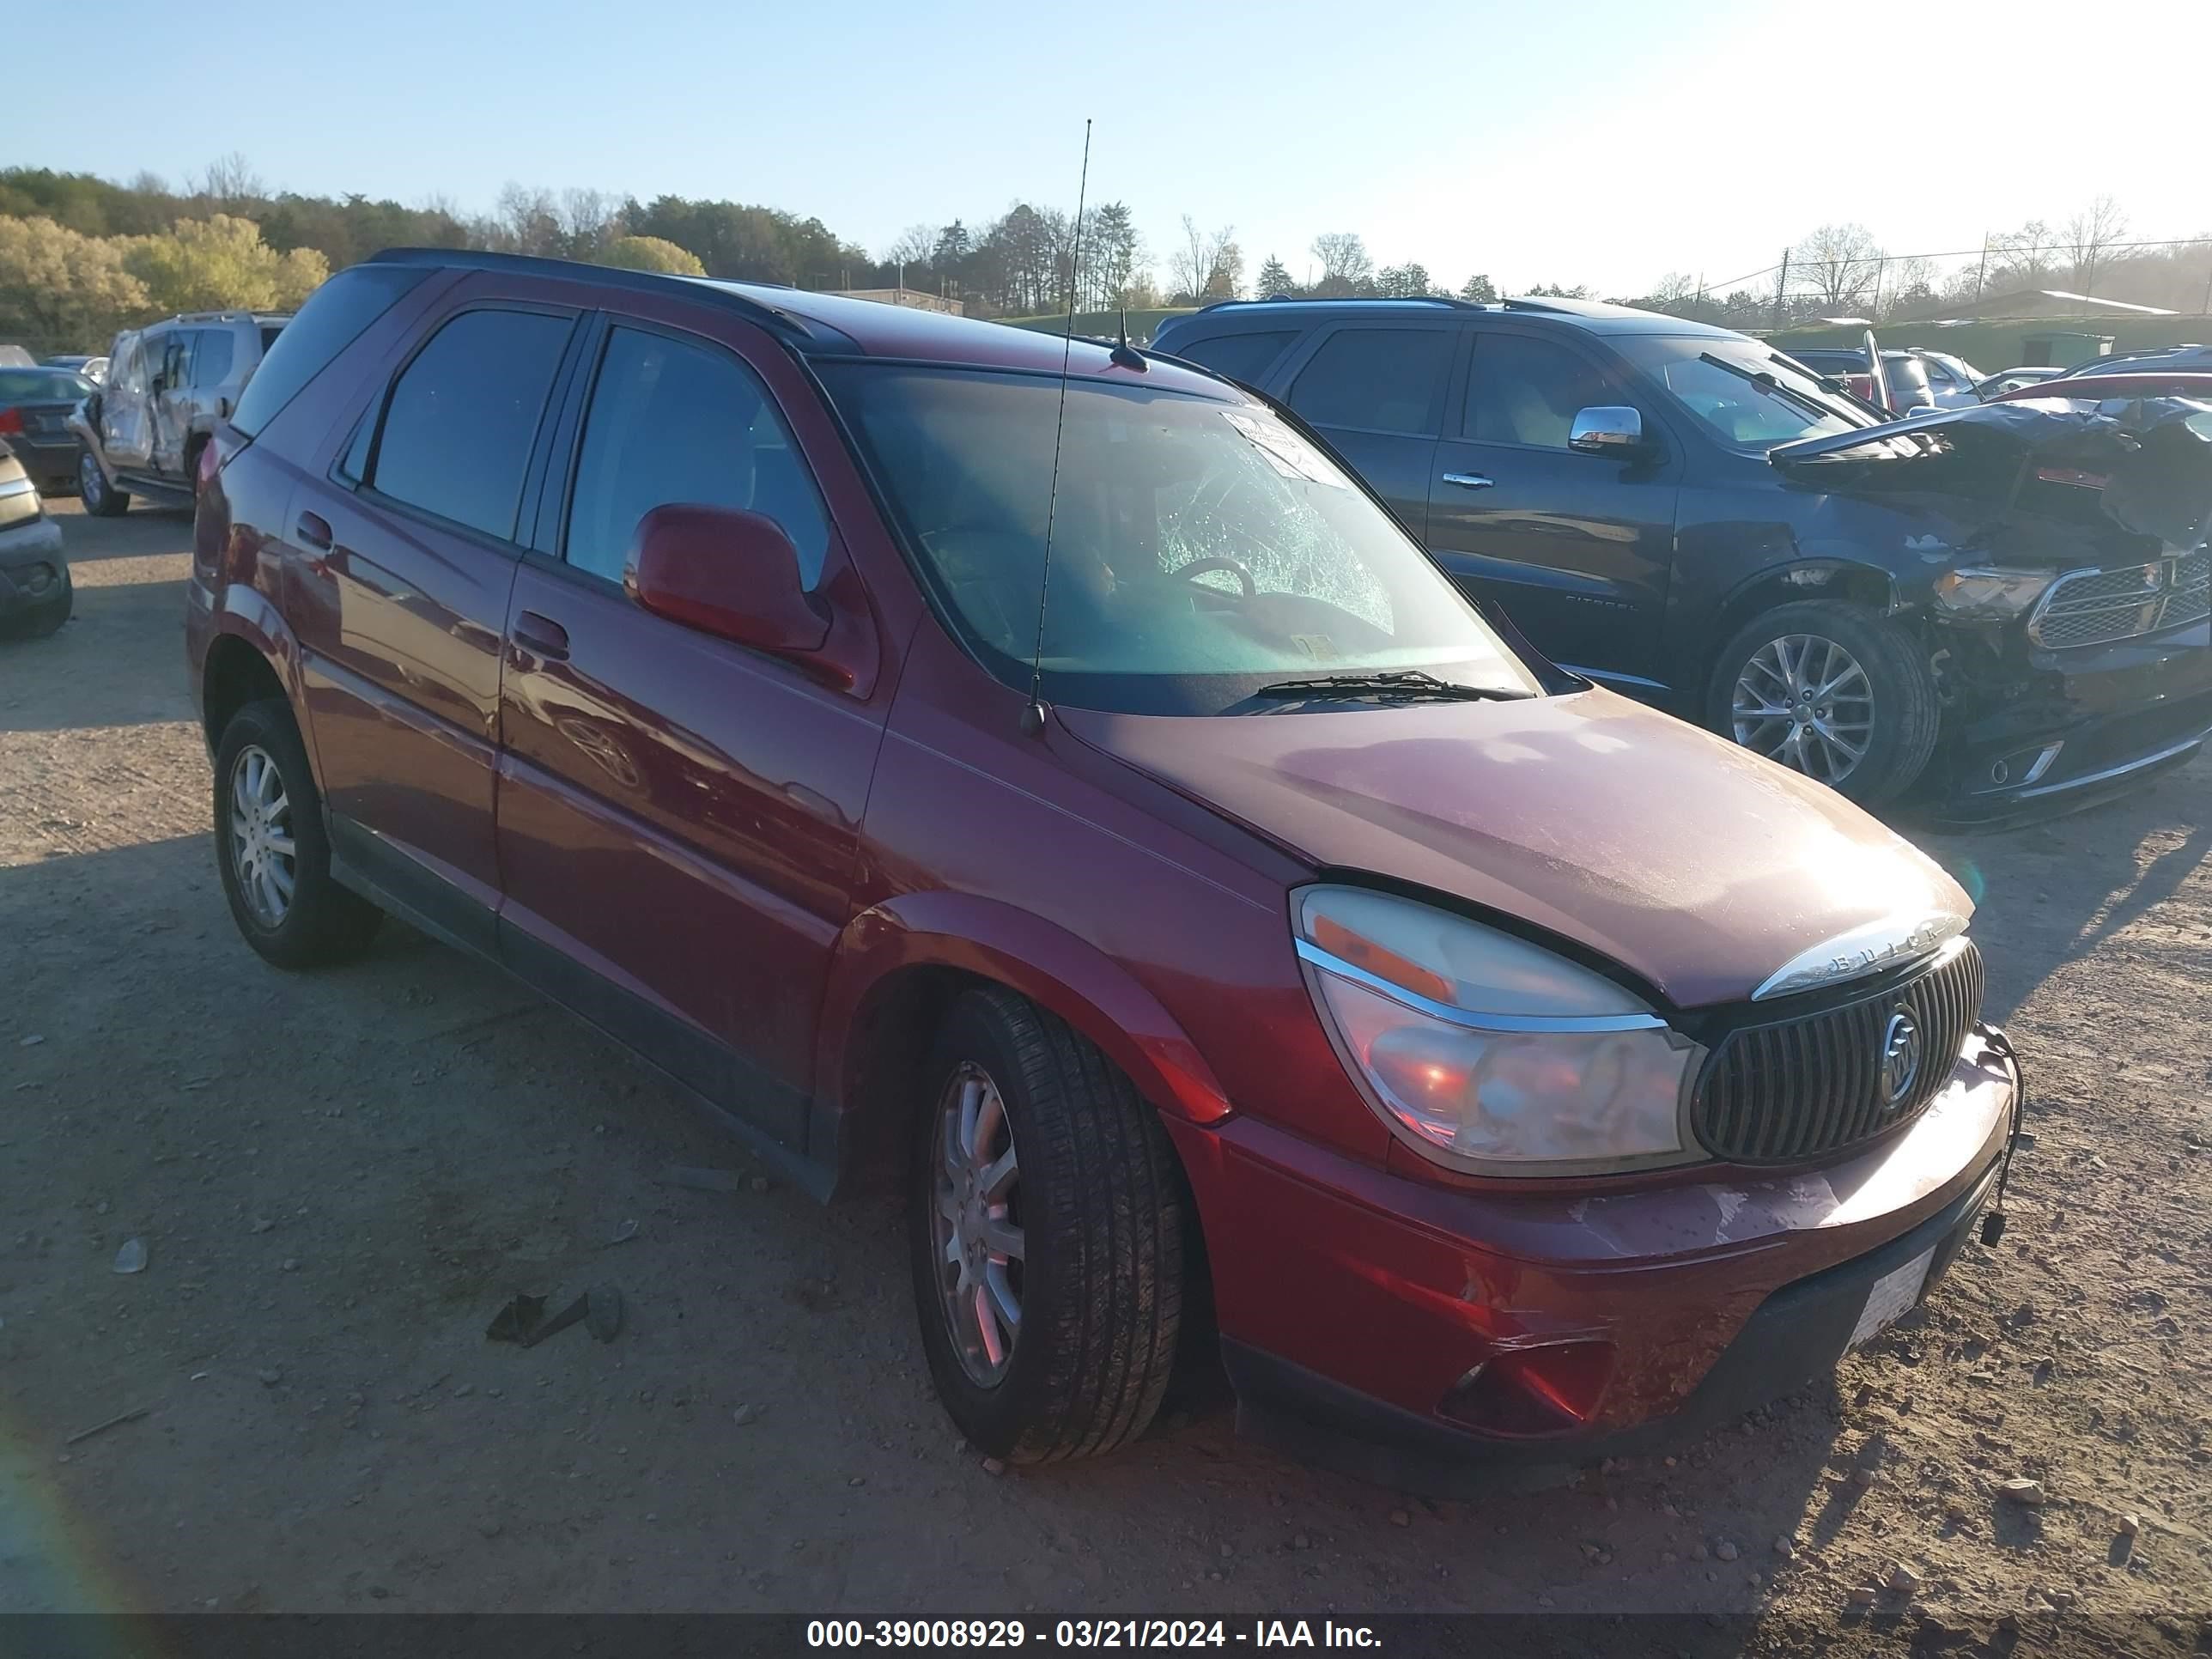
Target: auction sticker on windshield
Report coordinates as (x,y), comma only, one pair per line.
(1287,452)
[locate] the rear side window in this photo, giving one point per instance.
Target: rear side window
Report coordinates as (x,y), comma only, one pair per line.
(269,333)
(1238,356)
(1524,391)
(211,363)
(1381,380)
(332,319)
(670,421)
(463,415)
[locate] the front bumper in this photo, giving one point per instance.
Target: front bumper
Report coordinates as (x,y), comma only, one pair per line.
(1353,1302)
(2078,727)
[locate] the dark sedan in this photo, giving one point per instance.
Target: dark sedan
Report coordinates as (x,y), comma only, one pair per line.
(34,410)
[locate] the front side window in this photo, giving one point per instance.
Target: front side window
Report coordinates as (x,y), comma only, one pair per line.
(458,431)
(1749,397)
(1200,549)
(672,421)
(211,362)
(1374,380)
(177,360)
(1520,390)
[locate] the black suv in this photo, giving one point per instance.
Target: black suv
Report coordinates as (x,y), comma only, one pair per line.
(1683,513)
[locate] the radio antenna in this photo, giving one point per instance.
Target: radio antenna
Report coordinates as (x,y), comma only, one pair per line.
(1033,716)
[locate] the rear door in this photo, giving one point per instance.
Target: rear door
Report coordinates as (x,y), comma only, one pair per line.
(1376,392)
(679,815)
(403,556)
(1577,549)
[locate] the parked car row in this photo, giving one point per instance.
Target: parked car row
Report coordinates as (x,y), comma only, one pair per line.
(1239,926)
(1638,495)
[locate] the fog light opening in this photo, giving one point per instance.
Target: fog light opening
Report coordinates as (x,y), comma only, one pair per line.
(1552,1389)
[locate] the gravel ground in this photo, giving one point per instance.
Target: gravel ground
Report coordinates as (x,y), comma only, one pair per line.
(339,1178)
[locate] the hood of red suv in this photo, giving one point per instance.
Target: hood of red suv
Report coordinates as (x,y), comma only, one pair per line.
(1686,860)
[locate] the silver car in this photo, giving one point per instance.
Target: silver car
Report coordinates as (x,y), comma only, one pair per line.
(167,385)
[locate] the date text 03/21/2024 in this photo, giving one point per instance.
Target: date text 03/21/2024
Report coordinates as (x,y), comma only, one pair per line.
(1086,1633)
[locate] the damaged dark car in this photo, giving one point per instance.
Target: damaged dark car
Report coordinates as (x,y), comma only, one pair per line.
(1975,611)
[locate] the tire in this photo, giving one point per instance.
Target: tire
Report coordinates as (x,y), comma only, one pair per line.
(1098,1207)
(318,922)
(1889,708)
(102,498)
(43,620)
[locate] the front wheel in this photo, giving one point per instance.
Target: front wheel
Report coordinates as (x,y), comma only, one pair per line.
(101,499)
(273,851)
(1832,690)
(1046,1225)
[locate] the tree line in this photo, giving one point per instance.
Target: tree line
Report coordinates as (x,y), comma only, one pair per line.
(81,255)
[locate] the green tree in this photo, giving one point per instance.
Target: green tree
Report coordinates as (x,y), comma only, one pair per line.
(60,289)
(1274,278)
(1479,290)
(650,254)
(221,264)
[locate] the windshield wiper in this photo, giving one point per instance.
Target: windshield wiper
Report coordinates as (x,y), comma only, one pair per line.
(1767,381)
(1400,683)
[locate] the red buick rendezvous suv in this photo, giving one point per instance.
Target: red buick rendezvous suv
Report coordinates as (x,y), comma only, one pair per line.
(1219,918)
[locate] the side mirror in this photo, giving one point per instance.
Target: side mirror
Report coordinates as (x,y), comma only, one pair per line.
(1607,430)
(725,571)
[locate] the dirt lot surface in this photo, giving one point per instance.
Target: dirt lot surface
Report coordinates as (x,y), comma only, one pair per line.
(339,1178)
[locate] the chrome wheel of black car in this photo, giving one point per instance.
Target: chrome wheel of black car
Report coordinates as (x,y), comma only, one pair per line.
(1806,702)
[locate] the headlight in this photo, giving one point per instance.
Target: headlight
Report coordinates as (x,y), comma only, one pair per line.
(1985,593)
(1486,1052)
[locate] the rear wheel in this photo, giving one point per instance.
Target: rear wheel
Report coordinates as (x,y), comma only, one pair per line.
(38,621)
(1832,691)
(274,854)
(1046,1225)
(101,499)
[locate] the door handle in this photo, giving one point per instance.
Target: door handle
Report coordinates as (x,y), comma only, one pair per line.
(540,635)
(313,530)
(1469,480)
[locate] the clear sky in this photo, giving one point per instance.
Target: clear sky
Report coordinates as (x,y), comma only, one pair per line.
(1596,142)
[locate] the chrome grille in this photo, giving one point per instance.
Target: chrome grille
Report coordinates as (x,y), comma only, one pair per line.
(2095,607)
(1811,1085)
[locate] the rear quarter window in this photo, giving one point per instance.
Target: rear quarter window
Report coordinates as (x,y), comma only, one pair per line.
(332,319)
(1238,356)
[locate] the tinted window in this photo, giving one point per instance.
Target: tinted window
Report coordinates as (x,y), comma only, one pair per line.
(675,423)
(1239,356)
(1383,379)
(1525,391)
(269,333)
(462,415)
(331,321)
(42,385)
(211,364)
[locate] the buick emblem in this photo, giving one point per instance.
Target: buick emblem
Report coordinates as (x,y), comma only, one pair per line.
(1900,1059)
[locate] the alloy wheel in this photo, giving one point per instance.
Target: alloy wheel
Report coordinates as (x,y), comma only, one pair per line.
(263,855)
(976,1224)
(1805,700)
(91,482)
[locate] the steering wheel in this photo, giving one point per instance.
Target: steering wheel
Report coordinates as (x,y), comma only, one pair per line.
(1200,567)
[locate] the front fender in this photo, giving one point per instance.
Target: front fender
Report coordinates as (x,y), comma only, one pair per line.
(1043,961)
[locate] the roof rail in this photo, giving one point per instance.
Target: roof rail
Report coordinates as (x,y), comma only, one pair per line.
(802,329)
(1350,299)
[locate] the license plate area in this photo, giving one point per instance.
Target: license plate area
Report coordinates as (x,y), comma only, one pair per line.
(1893,1294)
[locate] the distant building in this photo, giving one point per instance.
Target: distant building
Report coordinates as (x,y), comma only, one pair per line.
(2034,302)
(905,296)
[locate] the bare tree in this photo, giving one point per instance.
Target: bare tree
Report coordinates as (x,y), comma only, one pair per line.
(230,182)
(1838,264)
(589,220)
(1911,284)
(1346,267)
(1206,264)
(2021,258)
(914,246)
(2089,234)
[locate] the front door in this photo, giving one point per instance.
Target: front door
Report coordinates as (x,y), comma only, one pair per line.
(401,560)
(1377,393)
(126,402)
(679,815)
(172,401)
(1576,548)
